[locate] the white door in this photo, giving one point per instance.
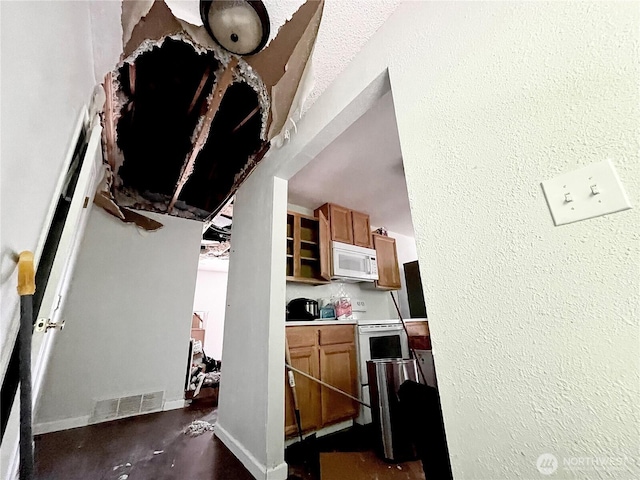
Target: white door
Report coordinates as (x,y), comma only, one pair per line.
(57,287)
(64,263)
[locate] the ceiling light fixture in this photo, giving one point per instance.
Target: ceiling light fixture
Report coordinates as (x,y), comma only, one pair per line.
(239,26)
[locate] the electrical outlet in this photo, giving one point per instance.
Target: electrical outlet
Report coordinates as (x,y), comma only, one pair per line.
(358,305)
(588,192)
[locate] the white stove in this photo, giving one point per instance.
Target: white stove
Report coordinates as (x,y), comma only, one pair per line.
(377,339)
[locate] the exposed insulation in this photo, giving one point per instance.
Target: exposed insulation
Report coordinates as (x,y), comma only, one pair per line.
(185,120)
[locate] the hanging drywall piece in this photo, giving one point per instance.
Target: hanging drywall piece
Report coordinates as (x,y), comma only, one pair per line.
(282,64)
(185,121)
(104,200)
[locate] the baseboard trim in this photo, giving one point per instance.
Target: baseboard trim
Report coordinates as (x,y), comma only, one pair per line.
(58,425)
(68,423)
(173,404)
(256,468)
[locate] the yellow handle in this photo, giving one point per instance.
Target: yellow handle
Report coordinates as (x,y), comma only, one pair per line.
(26,274)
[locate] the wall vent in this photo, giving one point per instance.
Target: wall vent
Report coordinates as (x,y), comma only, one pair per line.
(152,402)
(129,405)
(105,410)
(113,408)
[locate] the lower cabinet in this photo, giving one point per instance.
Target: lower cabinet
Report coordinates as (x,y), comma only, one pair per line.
(329,354)
(337,368)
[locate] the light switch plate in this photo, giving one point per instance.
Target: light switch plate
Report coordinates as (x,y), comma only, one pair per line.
(588,192)
(358,305)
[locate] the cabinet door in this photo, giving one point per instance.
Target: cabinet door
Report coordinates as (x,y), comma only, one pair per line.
(304,359)
(324,240)
(338,368)
(306,263)
(341,224)
(388,270)
(361,229)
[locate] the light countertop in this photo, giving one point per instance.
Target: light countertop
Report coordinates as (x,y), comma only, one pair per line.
(302,323)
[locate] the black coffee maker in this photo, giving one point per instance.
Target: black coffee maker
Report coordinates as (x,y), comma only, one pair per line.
(302,309)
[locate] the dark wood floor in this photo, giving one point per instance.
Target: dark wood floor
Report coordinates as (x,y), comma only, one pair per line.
(124,449)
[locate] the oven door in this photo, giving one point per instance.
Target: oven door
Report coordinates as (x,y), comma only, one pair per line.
(380,341)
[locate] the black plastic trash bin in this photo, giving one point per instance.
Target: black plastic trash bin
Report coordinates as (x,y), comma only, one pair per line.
(421,403)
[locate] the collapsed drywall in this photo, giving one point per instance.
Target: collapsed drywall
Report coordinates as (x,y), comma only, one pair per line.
(185,122)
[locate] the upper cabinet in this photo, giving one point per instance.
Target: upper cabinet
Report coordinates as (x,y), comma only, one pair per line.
(308,249)
(361,229)
(388,270)
(347,226)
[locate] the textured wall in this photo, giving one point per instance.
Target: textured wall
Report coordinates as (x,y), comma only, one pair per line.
(535,327)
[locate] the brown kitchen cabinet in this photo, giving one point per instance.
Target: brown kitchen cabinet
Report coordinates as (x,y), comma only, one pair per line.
(347,226)
(308,249)
(305,359)
(388,269)
(419,336)
(361,229)
(329,354)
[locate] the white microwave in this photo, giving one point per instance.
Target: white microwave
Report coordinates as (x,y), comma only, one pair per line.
(354,264)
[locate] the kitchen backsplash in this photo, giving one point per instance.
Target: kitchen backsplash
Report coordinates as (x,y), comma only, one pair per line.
(379,304)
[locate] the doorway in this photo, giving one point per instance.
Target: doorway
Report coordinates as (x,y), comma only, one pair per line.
(360,172)
(209,303)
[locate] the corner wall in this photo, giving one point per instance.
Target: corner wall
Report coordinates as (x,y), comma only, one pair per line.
(251,404)
(128,318)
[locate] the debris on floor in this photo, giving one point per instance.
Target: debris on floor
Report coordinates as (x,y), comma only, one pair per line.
(198,427)
(122,476)
(366,465)
(158,452)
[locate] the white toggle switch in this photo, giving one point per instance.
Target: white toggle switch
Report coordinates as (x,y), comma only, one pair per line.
(589,192)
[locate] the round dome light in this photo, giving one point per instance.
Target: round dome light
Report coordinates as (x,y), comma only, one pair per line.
(239,26)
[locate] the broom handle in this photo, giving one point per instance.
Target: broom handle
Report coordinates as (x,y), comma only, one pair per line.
(331,387)
(26,289)
(406,331)
(287,356)
(292,385)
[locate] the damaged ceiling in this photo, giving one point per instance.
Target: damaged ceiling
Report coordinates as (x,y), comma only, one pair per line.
(185,122)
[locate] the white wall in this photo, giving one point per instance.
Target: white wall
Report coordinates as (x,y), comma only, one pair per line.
(251,405)
(379,304)
(47,76)
(211,297)
(536,326)
(128,317)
